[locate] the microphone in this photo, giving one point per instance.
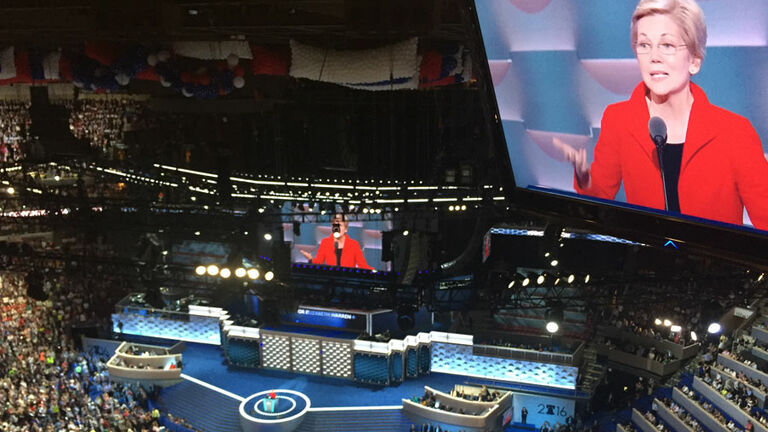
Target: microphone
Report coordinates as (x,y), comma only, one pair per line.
(658,130)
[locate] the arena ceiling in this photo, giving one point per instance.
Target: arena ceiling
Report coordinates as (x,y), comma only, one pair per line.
(340,22)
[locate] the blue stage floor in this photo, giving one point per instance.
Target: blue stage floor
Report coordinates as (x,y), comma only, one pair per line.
(206,363)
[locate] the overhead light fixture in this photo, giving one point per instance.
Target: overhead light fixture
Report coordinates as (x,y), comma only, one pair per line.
(694,336)
(253,273)
(676,328)
(405,232)
(11,190)
(540,279)
(586,279)
(667,323)
(267,236)
(526,281)
(657,321)
(240,272)
(268,276)
(554,263)
(200,270)
(571,278)
(552,327)
(511,284)
(213,270)
(225,273)
(714,328)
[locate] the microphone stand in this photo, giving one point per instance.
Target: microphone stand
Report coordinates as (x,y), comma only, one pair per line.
(660,152)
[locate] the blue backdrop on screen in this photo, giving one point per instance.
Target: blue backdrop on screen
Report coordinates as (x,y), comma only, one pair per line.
(556,65)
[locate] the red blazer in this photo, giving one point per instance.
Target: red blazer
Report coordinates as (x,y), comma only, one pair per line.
(723,168)
(351,254)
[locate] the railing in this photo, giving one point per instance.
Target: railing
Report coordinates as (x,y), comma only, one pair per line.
(760,333)
(678,351)
(523,354)
(638,362)
(725,405)
(704,417)
(759,395)
(671,418)
(469,406)
(738,366)
(642,423)
(483,422)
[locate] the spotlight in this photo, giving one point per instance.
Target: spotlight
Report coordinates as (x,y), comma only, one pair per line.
(225,273)
(586,279)
(240,272)
(405,232)
(552,327)
(197,233)
(546,255)
(212,270)
(714,328)
(554,316)
(554,263)
(526,281)
(694,336)
(10,190)
(511,284)
(657,321)
(761,277)
(571,278)
(253,273)
(365,210)
(667,323)
(540,279)
(450,208)
(676,328)
(464,207)
(200,270)
(267,236)
(557,281)
(268,276)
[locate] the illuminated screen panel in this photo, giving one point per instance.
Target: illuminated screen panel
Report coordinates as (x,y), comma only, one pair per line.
(328,318)
(356,242)
(557,66)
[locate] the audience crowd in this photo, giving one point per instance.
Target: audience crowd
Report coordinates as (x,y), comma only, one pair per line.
(710,408)
(684,310)
(103,122)
(682,414)
(636,349)
(46,383)
(15,125)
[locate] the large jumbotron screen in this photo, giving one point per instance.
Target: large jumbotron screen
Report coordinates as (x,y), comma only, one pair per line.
(343,240)
(557,65)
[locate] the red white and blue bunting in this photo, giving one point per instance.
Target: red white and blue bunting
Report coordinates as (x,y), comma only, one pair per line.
(207,70)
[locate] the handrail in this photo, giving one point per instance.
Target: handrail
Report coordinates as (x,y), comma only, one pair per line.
(669,416)
(523,354)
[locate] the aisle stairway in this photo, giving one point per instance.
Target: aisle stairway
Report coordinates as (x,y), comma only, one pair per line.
(389,420)
(591,371)
(204,409)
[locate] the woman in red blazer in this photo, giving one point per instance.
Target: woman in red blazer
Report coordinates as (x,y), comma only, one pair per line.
(713,159)
(338,249)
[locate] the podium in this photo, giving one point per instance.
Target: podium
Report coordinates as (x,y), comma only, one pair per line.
(270,405)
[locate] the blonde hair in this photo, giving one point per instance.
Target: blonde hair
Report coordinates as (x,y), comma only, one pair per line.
(687,15)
